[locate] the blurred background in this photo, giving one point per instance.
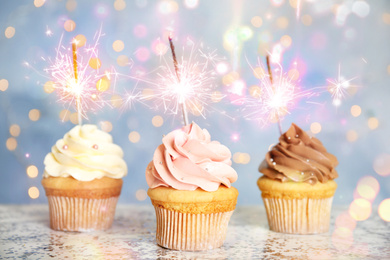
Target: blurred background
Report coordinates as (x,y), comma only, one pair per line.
(323,46)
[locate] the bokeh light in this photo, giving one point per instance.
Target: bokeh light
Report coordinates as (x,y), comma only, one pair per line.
(361,8)
(142,54)
(307,20)
(373,123)
(80,40)
(315,127)
(384,210)
(122,60)
(352,136)
(64,115)
(157,121)
(71,5)
(293,74)
(69,25)
(39,3)
(241,158)
(282,22)
(74,118)
(119,5)
(159,47)
(140,31)
(116,101)
(32,171)
(9,32)
(256,21)
(33,192)
(103,84)
(222,68)
(277,2)
(191,4)
(356,110)
(360,209)
(368,188)
(118,45)
(3,85)
(386,18)
(101,10)
(286,41)
(106,126)
(49,87)
(382,164)
(34,114)
(94,63)
(255,91)
(14,130)
(11,144)
(134,137)
(141,195)
(168,7)
(216,96)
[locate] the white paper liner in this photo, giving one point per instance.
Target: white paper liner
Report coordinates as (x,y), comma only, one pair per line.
(298,216)
(191,232)
(78,214)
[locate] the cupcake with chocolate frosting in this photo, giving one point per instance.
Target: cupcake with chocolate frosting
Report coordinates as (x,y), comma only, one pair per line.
(190,188)
(298,184)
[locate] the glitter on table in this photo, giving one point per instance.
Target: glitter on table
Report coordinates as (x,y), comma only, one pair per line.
(25,233)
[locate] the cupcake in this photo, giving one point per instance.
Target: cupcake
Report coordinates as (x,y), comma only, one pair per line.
(83,180)
(298,187)
(192,207)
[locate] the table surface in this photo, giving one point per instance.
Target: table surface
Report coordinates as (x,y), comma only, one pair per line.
(25,233)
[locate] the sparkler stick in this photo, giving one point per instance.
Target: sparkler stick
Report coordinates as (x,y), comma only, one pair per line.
(177,71)
(78,103)
(271,80)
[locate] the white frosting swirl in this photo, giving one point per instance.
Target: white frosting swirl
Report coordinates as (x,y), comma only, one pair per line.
(85,153)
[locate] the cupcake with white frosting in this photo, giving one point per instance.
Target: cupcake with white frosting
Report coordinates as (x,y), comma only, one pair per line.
(83,180)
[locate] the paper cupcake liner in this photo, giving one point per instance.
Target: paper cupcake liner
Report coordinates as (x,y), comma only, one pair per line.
(78,214)
(298,216)
(191,232)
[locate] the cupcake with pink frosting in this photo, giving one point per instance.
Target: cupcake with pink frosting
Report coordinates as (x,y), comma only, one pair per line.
(190,180)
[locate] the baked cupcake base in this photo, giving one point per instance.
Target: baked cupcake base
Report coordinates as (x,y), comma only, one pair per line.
(192,220)
(81,206)
(297,208)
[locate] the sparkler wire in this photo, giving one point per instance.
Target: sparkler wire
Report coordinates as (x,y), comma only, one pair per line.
(272,84)
(177,71)
(78,101)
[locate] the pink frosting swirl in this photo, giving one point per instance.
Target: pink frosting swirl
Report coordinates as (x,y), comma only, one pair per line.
(187,160)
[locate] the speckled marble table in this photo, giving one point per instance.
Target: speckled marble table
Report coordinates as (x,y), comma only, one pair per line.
(25,234)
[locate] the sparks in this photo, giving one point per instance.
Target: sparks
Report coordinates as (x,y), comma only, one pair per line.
(75,81)
(273,99)
(338,88)
(191,84)
(48,31)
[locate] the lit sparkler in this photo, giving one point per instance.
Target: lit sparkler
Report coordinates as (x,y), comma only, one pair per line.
(75,81)
(339,87)
(275,97)
(188,84)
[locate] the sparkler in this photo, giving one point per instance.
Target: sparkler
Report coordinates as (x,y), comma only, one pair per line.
(177,72)
(338,88)
(78,101)
(271,80)
(188,86)
(275,97)
(76,81)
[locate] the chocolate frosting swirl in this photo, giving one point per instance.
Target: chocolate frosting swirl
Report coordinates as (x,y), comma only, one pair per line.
(299,158)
